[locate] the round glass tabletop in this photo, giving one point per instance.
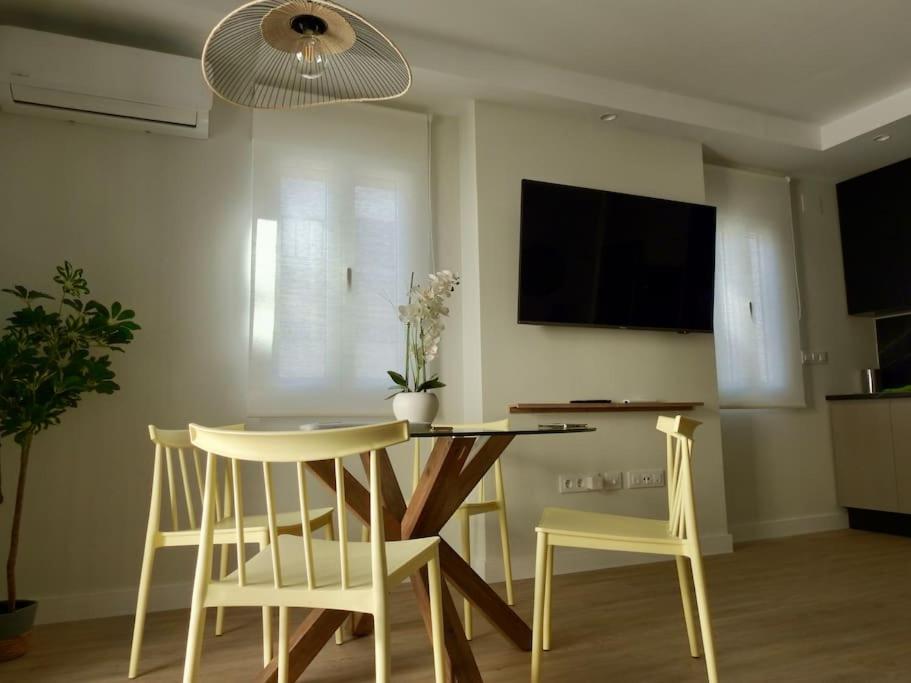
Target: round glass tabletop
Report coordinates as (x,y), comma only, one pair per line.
(436,432)
(425,432)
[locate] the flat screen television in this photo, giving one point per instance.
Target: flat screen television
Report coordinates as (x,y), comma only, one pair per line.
(607,259)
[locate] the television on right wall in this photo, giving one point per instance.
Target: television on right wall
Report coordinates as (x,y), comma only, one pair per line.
(875,215)
(606,259)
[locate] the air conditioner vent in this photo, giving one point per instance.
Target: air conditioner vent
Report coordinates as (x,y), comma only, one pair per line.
(57,76)
(102,106)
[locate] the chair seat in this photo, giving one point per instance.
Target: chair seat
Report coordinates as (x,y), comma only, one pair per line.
(596,525)
(283,520)
(403,558)
(480,508)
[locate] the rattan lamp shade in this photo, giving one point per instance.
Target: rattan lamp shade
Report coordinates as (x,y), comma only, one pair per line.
(287,54)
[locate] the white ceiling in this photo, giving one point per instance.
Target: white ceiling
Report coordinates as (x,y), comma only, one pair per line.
(812,60)
(791,85)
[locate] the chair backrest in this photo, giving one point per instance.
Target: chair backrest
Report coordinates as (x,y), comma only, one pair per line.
(486,426)
(298,448)
(167,442)
(680,495)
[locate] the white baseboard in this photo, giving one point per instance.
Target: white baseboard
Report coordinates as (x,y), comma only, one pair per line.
(573,560)
(58,608)
(790,526)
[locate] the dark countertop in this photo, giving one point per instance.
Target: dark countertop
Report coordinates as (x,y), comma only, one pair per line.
(867,397)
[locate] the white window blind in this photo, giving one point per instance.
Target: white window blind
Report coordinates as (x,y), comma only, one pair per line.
(341,220)
(757,304)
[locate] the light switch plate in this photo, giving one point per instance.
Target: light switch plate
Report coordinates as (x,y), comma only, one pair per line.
(613,481)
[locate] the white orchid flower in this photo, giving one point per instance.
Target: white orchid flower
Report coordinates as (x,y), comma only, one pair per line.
(423,316)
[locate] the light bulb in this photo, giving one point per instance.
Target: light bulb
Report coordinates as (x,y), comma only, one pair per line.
(311,58)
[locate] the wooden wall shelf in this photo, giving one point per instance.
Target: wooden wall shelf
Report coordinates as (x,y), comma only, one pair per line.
(641,406)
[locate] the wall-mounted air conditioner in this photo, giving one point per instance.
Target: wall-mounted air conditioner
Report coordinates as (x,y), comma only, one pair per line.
(47,74)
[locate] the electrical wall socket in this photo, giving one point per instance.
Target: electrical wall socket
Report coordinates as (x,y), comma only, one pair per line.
(814,357)
(644,479)
(580,483)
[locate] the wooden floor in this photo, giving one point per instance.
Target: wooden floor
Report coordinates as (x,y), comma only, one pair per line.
(827,607)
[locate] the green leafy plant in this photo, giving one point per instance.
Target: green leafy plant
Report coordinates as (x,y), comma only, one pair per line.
(50,357)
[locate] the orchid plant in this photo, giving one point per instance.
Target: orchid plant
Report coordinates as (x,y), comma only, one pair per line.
(423,319)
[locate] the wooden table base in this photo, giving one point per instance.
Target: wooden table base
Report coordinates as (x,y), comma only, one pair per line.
(450,475)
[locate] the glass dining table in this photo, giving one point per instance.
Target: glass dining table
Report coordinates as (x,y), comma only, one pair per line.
(458,461)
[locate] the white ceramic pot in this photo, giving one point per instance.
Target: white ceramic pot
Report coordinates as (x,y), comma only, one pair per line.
(420,408)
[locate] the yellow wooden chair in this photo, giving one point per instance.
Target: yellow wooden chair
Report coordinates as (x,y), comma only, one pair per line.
(306,572)
(167,442)
(482,506)
(676,536)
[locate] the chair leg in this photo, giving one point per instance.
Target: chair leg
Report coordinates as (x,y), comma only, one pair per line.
(465,526)
(507,556)
(267,636)
(537,640)
(548,593)
(142,606)
(282,645)
(267,623)
(436,616)
(683,577)
(222,573)
(381,642)
(702,601)
(194,639)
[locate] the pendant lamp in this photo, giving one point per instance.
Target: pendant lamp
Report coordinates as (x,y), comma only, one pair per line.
(287,54)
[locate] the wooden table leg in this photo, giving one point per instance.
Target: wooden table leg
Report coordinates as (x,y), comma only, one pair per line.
(357,497)
(447,480)
(461,664)
(363,625)
(393,499)
(435,491)
(311,637)
(448,485)
(485,598)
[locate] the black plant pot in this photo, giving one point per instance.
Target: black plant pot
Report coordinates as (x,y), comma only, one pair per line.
(16,628)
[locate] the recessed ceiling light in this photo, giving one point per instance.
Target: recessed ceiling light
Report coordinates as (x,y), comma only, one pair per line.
(608,117)
(882,138)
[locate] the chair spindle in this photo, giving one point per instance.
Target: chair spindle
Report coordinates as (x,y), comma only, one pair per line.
(172,490)
(273,528)
(238,523)
(304,500)
(187,495)
(342,522)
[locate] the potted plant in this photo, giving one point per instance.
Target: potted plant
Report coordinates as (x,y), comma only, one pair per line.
(49,358)
(423,318)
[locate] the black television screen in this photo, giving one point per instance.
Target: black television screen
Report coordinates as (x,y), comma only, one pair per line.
(591,257)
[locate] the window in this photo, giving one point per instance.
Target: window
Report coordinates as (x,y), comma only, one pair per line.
(757,306)
(341,220)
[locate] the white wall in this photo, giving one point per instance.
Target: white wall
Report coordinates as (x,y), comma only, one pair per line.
(531,363)
(161,224)
(779,473)
(447,219)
